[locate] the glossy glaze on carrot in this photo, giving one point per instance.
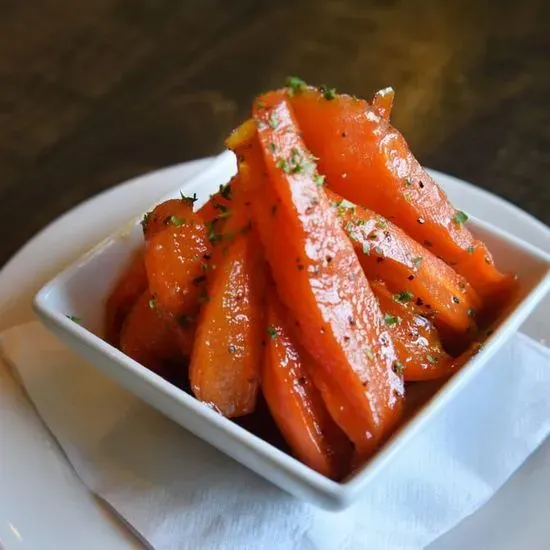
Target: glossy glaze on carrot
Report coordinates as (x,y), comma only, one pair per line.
(226,359)
(368,161)
(128,289)
(175,260)
(415,338)
(295,403)
(388,253)
(320,280)
(147,338)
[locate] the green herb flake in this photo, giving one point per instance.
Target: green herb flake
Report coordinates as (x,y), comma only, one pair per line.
(369,353)
(381,223)
(329,94)
(225,191)
(366,248)
(231,348)
(283,165)
(213,235)
(403,297)
(408,182)
(319,180)
(74,319)
(145,219)
(417,262)
(460,217)
(273,120)
(192,199)
(272,147)
(471,249)
(272,331)
(398,368)
(471,312)
(260,104)
(379,251)
(175,220)
(152,303)
(392,320)
(295,85)
(433,360)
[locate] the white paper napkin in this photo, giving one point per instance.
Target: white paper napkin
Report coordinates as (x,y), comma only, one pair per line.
(179,493)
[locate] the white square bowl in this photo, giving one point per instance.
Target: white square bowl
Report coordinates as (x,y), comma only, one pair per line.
(81,289)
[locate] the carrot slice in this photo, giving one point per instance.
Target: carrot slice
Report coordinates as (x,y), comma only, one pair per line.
(147,338)
(320,280)
(415,338)
(173,212)
(175,259)
(368,162)
(388,253)
(218,203)
(225,363)
(296,404)
(125,294)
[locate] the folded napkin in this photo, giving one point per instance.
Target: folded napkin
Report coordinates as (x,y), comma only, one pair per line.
(178,492)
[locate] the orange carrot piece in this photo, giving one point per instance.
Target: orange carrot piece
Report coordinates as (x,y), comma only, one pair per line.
(218,203)
(320,280)
(415,338)
(173,212)
(176,259)
(125,294)
(388,253)
(226,358)
(147,338)
(296,404)
(369,162)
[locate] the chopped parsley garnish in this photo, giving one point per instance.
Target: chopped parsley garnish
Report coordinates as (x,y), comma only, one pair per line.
(145,219)
(379,251)
(460,217)
(260,104)
(381,223)
(272,147)
(398,368)
(471,312)
(319,180)
(329,93)
(403,297)
(471,249)
(273,120)
(344,203)
(225,191)
(192,199)
(283,165)
(231,348)
(366,248)
(152,303)
(213,235)
(74,319)
(295,85)
(433,360)
(272,331)
(408,181)
(175,220)
(369,353)
(392,320)
(417,262)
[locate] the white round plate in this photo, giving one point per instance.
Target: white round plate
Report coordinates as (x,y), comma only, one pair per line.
(44,506)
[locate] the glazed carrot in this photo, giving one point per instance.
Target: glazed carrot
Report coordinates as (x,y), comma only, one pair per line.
(415,338)
(147,338)
(320,280)
(126,292)
(368,162)
(172,212)
(296,404)
(218,203)
(176,259)
(226,358)
(388,253)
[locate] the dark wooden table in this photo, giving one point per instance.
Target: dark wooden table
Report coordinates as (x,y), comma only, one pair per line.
(93,93)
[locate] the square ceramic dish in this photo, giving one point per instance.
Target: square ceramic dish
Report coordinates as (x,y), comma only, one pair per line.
(80,290)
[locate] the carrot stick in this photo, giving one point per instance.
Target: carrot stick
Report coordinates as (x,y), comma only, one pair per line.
(225,364)
(173,212)
(295,403)
(320,280)
(416,340)
(368,162)
(125,294)
(386,252)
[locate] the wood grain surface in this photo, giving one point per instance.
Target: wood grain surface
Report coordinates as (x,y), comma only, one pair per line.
(92,93)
